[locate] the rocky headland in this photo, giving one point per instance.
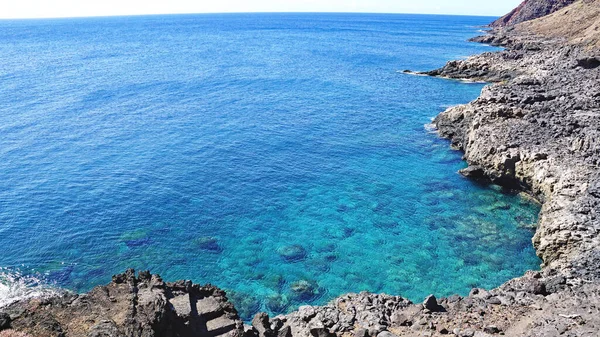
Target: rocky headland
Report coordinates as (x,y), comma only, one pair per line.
(535,129)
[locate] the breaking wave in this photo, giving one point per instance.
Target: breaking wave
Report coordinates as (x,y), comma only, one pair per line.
(16,286)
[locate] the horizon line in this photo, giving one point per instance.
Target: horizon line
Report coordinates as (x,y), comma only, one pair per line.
(232,13)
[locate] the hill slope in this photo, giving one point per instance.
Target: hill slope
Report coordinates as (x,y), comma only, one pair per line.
(530,9)
(578,23)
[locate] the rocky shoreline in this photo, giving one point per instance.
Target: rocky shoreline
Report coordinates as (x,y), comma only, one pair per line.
(536,129)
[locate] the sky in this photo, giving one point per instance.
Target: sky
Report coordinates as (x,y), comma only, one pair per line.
(76,8)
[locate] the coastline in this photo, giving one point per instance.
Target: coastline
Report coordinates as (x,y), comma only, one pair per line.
(521,115)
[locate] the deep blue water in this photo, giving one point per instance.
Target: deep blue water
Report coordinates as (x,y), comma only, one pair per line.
(282,157)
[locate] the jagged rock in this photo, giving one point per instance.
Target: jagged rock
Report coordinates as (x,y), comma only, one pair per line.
(430,303)
(260,322)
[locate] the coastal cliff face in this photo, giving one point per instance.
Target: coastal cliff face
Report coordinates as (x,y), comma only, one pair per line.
(529,10)
(536,129)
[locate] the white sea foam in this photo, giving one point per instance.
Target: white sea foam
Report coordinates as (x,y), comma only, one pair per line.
(14,286)
(431,128)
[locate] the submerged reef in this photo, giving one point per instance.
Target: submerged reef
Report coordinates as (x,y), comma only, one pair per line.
(535,129)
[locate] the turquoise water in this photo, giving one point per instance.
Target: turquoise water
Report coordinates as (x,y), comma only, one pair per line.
(282,157)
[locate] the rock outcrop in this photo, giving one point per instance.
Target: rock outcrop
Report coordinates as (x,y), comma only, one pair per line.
(130,305)
(529,10)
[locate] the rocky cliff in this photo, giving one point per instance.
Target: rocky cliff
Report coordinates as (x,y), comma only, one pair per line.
(529,10)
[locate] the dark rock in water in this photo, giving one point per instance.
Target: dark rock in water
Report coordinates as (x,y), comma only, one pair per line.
(430,303)
(61,276)
(209,244)
(138,242)
(330,257)
(293,253)
(4,321)
(349,231)
(277,303)
(246,305)
(304,290)
(474,172)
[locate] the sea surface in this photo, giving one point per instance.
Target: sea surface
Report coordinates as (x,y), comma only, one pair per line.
(282,157)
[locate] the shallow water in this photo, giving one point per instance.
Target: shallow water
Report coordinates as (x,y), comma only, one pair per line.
(283,157)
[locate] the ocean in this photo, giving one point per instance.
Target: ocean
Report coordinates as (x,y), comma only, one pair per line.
(283,157)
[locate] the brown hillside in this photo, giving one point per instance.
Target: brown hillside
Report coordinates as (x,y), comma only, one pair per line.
(529,10)
(578,23)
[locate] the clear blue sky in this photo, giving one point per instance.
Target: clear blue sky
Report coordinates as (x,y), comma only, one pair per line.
(70,8)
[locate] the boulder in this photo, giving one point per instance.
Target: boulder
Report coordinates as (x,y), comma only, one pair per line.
(430,303)
(292,253)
